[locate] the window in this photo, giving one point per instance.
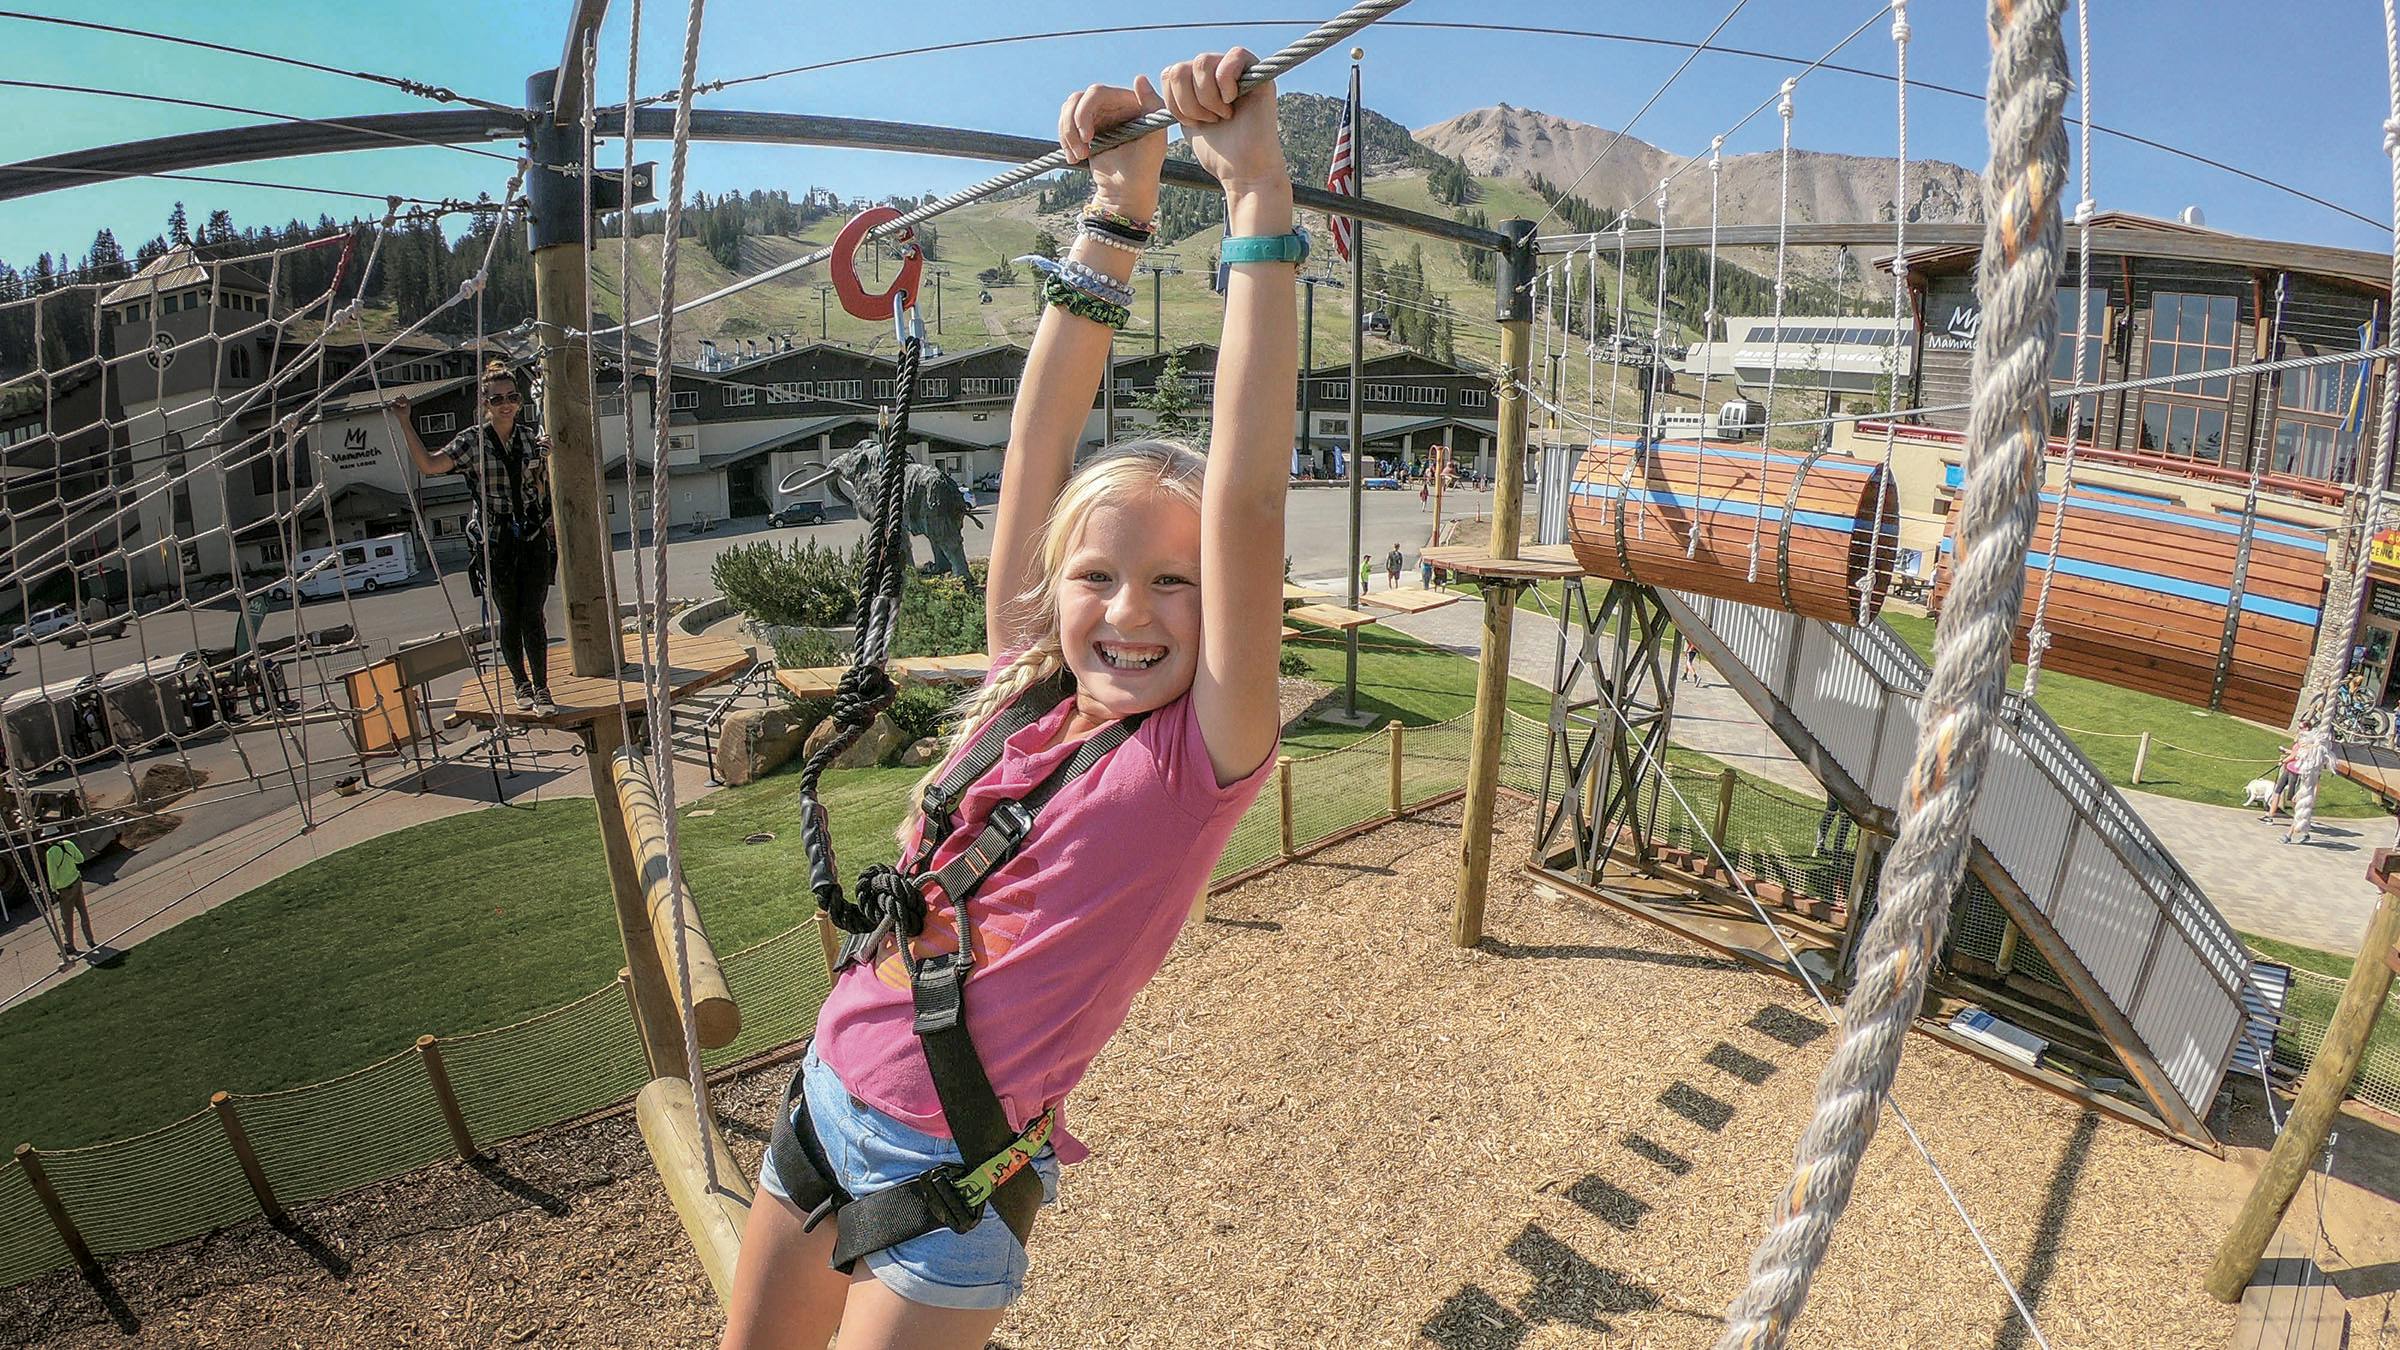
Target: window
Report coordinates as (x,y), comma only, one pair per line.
(987,386)
(2189,335)
(1204,389)
(1474,398)
(436,424)
(354,557)
(1334,391)
(934,388)
(680,442)
(1127,389)
(2084,411)
(1425,395)
(740,395)
(170,304)
(884,389)
(237,363)
(1384,393)
(841,389)
(1333,426)
(612,405)
(683,400)
(787,392)
(2308,424)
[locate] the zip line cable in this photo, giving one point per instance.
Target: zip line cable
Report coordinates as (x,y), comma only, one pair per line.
(407,86)
(1647,104)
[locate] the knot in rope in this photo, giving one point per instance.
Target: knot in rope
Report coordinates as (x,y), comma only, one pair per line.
(883,895)
(2391,135)
(864,692)
(1783,101)
(469,288)
(1899,20)
(2084,210)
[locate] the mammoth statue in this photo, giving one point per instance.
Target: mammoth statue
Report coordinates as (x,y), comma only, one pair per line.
(932,504)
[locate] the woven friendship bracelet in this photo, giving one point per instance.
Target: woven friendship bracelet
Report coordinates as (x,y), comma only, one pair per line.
(1056,291)
(1119,224)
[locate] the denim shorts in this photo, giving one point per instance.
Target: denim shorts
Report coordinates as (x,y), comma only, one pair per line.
(983,1267)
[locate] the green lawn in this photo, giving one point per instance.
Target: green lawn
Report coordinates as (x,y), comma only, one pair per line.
(2311,1006)
(1398,676)
(2194,754)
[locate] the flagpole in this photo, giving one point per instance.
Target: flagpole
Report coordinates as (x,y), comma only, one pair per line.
(1358,427)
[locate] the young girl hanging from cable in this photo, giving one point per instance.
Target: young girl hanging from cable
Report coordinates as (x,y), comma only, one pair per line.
(507,467)
(1129,719)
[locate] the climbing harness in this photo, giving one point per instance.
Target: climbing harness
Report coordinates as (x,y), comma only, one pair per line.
(893,902)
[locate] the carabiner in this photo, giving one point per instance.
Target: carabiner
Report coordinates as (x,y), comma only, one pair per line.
(905,323)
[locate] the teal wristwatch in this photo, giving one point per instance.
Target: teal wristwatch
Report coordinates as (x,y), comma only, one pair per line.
(1250,248)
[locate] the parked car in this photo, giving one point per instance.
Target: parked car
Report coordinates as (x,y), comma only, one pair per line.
(1384,483)
(45,623)
(799,513)
(990,482)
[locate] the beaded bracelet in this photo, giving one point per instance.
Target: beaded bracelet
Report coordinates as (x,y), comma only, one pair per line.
(1083,304)
(1099,285)
(1111,241)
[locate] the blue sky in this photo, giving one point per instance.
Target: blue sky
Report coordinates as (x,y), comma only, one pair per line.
(2299,96)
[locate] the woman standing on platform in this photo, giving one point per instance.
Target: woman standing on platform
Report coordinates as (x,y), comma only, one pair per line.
(507,467)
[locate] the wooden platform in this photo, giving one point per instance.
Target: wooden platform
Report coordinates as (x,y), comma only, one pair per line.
(2290,1304)
(1300,594)
(695,664)
(1539,563)
(1330,616)
(1410,599)
(822,681)
(2373,767)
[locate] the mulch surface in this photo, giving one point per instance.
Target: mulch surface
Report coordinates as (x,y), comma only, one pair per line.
(1324,1125)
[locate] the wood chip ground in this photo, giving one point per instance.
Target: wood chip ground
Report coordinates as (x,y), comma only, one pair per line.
(1326,1126)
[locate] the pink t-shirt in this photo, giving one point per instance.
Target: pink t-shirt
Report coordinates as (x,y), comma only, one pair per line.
(1067,932)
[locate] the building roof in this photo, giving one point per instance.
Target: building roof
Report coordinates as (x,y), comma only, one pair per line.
(2137,236)
(177,268)
(815,426)
(366,399)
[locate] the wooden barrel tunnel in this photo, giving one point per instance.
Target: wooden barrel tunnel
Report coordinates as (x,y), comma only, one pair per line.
(2214,609)
(1684,515)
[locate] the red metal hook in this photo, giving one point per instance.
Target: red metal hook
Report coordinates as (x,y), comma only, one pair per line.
(857,301)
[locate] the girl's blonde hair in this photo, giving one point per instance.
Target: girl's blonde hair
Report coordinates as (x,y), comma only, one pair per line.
(1169,468)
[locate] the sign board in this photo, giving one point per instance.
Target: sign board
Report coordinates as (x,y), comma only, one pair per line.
(2385,550)
(2383,601)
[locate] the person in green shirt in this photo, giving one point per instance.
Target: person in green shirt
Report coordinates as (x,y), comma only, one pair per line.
(62,860)
(1366,569)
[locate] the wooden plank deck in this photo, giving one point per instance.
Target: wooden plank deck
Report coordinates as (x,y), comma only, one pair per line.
(2290,1304)
(822,681)
(1539,563)
(693,664)
(1410,599)
(1330,616)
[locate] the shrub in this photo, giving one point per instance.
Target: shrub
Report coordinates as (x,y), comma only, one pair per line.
(938,617)
(804,649)
(1292,663)
(923,710)
(802,585)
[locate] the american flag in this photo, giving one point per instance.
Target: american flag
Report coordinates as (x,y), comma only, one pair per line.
(1342,179)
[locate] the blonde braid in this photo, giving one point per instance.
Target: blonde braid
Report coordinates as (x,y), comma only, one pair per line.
(1031,666)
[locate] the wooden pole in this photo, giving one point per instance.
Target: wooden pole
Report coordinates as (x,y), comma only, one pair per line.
(222,1104)
(1283,793)
(2009,935)
(649,987)
(2321,1092)
(1854,904)
(713,1009)
(1513,297)
(31,1163)
(559,236)
(1399,795)
(829,939)
(2141,757)
(430,1051)
(714,1217)
(1725,783)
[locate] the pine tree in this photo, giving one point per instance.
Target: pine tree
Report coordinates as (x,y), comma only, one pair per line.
(106,261)
(1045,244)
(1173,412)
(219,229)
(179,229)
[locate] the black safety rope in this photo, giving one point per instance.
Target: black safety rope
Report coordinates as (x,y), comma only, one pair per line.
(866,689)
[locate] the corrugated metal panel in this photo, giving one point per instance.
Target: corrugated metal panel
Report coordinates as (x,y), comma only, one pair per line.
(2105,916)
(1557,478)
(2020,816)
(1838,700)
(2187,1020)
(2262,1009)
(1899,749)
(1758,637)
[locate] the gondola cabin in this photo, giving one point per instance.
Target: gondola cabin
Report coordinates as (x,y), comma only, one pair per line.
(2217,609)
(1686,515)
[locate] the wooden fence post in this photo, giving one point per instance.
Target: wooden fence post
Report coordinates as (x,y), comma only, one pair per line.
(2007,960)
(222,1104)
(1283,790)
(31,1162)
(430,1051)
(2141,756)
(1725,782)
(1398,796)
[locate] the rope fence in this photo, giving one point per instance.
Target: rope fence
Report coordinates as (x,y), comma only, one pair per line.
(247,1154)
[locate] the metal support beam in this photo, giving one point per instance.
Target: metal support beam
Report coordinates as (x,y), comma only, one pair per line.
(1609,723)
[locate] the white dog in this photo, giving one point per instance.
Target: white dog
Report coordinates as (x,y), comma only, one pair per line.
(2258,791)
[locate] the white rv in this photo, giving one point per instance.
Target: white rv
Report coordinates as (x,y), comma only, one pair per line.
(363,565)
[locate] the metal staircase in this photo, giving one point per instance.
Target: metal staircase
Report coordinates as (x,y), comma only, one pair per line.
(2080,873)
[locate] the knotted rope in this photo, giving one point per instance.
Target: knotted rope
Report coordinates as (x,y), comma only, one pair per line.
(2006,433)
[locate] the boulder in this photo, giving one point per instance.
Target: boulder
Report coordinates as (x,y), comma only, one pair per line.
(878,745)
(924,752)
(755,742)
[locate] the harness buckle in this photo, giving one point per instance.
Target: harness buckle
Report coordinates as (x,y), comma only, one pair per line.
(1012,819)
(938,982)
(940,1187)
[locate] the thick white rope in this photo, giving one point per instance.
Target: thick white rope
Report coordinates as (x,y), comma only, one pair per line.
(2037,636)
(1658,324)
(1616,333)
(659,706)
(1783,220)
(2006,436)
(1891,350)
(1708,340)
